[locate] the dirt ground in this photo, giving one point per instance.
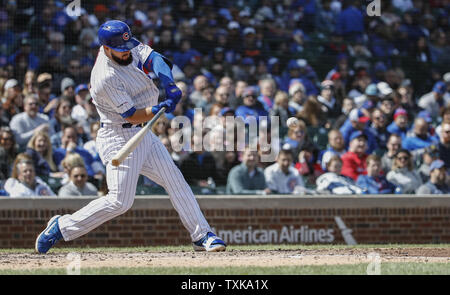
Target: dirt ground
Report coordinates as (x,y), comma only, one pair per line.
(93,259)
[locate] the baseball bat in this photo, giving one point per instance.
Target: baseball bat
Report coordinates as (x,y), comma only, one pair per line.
(135,140)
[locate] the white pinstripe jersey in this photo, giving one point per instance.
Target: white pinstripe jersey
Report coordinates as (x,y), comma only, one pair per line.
(115,88)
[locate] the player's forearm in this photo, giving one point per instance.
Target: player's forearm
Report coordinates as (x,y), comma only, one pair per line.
(141,116)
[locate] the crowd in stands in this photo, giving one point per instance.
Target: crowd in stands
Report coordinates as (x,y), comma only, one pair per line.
(371,93)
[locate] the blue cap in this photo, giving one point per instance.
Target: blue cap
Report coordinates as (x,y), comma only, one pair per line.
(116,35)
(226,110)
(297,64)
(81,87)
(248,61)
(356,134)
(368,104)
(440,87)
(380,67)
(372,89)
(425,115)
(437,164)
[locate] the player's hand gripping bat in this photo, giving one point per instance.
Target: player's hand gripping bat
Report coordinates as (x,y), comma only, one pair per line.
(135,140)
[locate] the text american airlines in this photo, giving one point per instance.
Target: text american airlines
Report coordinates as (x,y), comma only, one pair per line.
(287,234)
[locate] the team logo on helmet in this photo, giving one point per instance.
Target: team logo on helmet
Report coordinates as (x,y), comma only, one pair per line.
(126,36)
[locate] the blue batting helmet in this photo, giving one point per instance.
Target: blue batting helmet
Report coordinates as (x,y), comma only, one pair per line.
(116,35)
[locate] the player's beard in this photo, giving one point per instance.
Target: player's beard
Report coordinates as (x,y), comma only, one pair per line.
(121,61)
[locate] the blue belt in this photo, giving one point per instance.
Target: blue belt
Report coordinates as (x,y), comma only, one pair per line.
(126,125)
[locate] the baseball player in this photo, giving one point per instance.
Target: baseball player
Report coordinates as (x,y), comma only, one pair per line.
(125,98)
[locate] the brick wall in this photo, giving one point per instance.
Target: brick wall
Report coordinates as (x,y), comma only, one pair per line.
(244,220)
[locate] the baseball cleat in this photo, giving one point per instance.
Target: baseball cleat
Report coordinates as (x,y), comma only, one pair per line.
(210,243)
(49,236)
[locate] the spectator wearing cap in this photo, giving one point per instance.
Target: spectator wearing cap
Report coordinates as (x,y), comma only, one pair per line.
(251,106)
(371,94)
(46,100)
(250,47)
(297,70)
(374,182)
(331,108)
(434,100)
(354,161)
(333,182)
(247,178)
(379,128)
(400,124)
(297,93)
(336,146)
(12,102)
(402,173)
(429,154)
(88,116)
(444,143)
(281,177)
(386,105)
(246,71)
(275,70)
(394,144)
(438,183)
(26,123)
(68,87)
(234,39)
(78,110)
(182,56)
(25,52)
(327,15)
(358,121)
(420,138)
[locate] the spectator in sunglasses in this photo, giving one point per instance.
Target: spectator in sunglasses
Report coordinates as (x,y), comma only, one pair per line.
(402,173)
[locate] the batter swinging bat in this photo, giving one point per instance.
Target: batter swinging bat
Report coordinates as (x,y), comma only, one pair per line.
(135,140)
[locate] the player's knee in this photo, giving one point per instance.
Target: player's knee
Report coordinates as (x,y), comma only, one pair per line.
(119,207)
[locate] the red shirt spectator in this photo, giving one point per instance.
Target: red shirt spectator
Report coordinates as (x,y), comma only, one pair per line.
(354,161)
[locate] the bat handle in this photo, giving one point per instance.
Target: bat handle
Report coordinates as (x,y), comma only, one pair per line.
(117,160)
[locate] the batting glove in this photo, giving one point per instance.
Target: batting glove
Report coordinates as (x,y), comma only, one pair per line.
(173,92)
(168,104)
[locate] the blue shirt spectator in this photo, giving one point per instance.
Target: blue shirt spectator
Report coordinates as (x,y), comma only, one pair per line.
(420,138)
(374,182)
(350,22)
(400,124)
(357,120)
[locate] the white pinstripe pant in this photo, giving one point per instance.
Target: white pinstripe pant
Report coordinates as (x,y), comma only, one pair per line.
(151,159)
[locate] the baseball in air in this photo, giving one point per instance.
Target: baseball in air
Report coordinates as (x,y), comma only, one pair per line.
(292,122)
